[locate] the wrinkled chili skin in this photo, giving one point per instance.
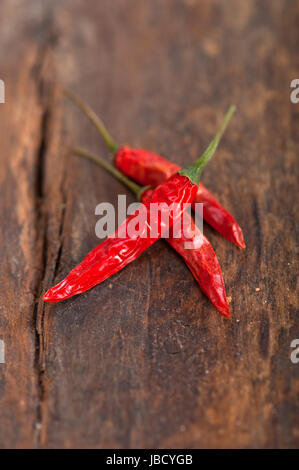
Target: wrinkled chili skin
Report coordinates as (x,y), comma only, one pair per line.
(148,168)
(201,260)
(118,249)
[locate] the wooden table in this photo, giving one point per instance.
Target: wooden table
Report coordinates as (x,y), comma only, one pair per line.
(144,360)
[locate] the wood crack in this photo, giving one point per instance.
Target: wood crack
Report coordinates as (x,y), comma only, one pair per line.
(41,224)
(49,252)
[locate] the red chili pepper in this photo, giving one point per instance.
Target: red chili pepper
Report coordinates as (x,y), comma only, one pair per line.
(148,168)
(118,250)
(201,260)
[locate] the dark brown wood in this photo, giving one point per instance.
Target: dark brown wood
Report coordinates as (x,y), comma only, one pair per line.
(144,360)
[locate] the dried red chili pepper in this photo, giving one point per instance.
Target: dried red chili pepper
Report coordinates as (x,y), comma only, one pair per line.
(148,168)
(118,250)
(201,259)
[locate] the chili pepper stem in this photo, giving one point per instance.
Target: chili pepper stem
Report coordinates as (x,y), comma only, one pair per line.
(134,187)
(194,171)
(94,118)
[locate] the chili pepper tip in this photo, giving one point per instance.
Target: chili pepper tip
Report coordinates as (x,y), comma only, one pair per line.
(238,237)
(52,295)
(48,297)
(225,311)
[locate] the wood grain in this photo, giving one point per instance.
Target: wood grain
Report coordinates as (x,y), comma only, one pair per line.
(144,360)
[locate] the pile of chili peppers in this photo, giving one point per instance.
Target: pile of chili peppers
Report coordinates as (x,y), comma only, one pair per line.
(169,183)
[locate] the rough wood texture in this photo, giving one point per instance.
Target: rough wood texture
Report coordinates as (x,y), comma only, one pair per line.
(144,360)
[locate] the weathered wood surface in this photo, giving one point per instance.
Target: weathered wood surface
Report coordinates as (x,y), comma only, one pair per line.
(144,360)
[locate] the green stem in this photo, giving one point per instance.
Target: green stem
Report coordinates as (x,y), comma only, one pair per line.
(92,116)
(193,172)
(134,187)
